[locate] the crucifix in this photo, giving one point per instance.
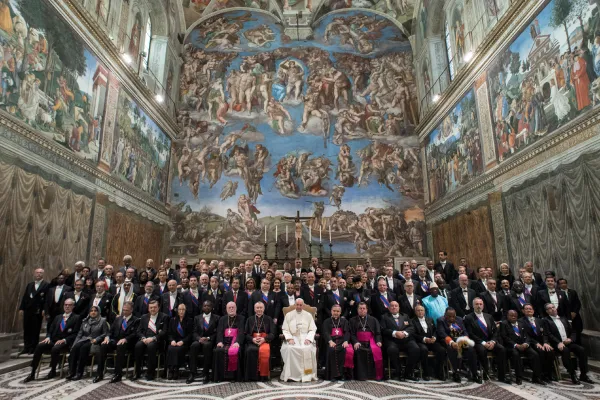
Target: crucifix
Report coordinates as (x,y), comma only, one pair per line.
(298,221)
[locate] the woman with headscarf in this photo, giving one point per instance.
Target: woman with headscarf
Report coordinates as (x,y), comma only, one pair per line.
(181,328)
(93,330)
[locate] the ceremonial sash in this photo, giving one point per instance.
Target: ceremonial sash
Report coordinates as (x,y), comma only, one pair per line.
(124,325)
(517,331)
(194,299)
(533,327)
(151,325)
(456,327)
(161,289)
(232,352)
(249,295)
(527,291)
(205,323)
(63,324)
(146,300)
(424,286)
(357,297)
(264,354)
(235,297)
(377,355)
(521,300)
(336,297)
(482,326)
(179,329)
(226,286)
(385,301)
(265,298)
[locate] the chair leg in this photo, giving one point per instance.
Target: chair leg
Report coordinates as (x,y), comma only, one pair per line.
(92,366)
(127,365)
(62,364)
(158,368)
(38,369)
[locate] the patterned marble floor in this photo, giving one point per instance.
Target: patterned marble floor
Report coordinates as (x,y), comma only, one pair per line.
(12,388)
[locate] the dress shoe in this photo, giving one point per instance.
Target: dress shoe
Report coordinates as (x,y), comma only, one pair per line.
(115,379)
(70,377)
(190,379)
(477,379)
(518,381)
(135,378)
(206,380)
(412,378)
(97,379)
(149,377)
(508,381)
(456,377)
(77,377)
(28,379)
(175,374)
(51,374)
(574,379)
(538,381)
(426,378)
(486,376)
(586,379)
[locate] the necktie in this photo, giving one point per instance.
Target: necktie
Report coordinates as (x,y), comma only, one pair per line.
(146,300)
(124,325)
(234,297)
(551,291)
(63,324)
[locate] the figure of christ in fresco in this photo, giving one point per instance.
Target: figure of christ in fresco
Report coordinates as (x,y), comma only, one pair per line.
(135,37)
(459,40)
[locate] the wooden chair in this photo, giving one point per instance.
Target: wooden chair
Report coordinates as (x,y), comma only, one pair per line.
(46,359)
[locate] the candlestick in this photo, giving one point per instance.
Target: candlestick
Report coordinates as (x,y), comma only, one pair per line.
(275,234)
(320,240)
(329,233)
(265,234)
(286,234)
(320,251)
(310,250)
(266,251)
(330,250)
(310,234)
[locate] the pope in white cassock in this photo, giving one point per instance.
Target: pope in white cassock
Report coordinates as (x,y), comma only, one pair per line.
(298,352)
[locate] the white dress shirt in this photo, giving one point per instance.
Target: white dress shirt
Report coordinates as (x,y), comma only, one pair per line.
(172,297)
(423,324)
(411,300)
(396,317)
(57,292)
(553,297)
(465,293)
(561,328)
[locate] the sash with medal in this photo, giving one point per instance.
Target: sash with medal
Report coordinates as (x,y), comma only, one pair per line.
(385,301)
(517,330)
(63,324)
(265,298)
(124,325)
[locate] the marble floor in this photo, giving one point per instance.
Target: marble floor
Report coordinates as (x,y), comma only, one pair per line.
(13,388)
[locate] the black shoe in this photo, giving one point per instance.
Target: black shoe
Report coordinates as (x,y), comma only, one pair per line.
(519,381)
(412,378)
(77,377)
(586,379)
(538,381)
(116,379)
(190,379)
(51,375)
(206,380)
(176,375)
(97,379)
(574,379)
(506,380)
(149,377)
(70,377)
(477,379)
(486,376)
(29,378)
(456,377)
(134,378)
(426,378)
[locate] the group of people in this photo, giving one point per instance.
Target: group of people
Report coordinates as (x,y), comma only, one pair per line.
(247,320)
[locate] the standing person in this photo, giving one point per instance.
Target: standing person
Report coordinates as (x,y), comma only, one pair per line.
(581,81)
(260,332)
(81,298)
(32,310)
(574,306)
(339,360)
(121,339)
(445,267)
(179,338)
(93,330)
(203,341)
(230,339)
(54,299)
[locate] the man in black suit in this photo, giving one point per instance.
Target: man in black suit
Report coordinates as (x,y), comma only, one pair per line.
(398,335)
(461,298)
(483,331)
(449,328)
(98,273)
(536,332)
(152,331)
(31,310)
(76,275)
(116,287)
(149,268)
(396,286)
(205,333)
(517,299)
(60,337)
(480,285)
(334,296)
(127,260)
(381,300)
(409,300)
(422,282)
(171,299)
(574,308)
(445,267)
(493,302)
(192,298)
(141,302)
(266,296)
(371,283)
(170,271)
(54,299)
(285,299)
(425,338)
(562,338)
(247,273)
(514,336)
(161,284)
(298,270)
(121,339)
(310,293)
(530,287)
(554,296)
(214,295)
(239,297)
(537,277)
(102,299)
(81,299)
(256,270)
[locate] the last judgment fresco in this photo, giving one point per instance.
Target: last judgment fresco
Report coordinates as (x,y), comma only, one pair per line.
(272,127)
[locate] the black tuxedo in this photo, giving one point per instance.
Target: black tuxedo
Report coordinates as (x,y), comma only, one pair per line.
(398,289)
(104,304)
(241,302)
(512,303)
(55,333)
(575,307)
(33,303)
(165,306)
(172,274)
(329,300)
(371,285)
(143,332)
(533,292)
(269,305)
(406,307)
(193,305)
(70,280)
(543,297)
(215,297)
(517,335)
(206,347)
(244,279)
(478,286)
(393,345)
(294,273)
(140,307)
(421,290)
(554,338)
(538,336)
(114,306)
(480,334)
(437,348)
(378,307)
(313,299)
(447,335)
(495,308)
(447,270)
(53,308)
(157,291)
(117,332)
(281,303)
(457,301)
(82,305)
(97,274)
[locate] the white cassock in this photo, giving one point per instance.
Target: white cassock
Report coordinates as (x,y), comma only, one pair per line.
(299,360)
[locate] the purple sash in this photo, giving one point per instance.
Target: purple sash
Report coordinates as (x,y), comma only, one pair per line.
(194,299)
(124,325)
(232,352)
(483,327)
(226,286)
(145,300)
(534,328)
(63,325)
(204,323)
(377,355)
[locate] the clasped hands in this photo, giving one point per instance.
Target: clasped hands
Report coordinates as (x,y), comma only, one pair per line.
(293,342)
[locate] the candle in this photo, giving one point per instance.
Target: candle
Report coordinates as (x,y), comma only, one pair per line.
(265,234)
(275,233)
(330,233)
(310,234)
(320,239)
(286,234)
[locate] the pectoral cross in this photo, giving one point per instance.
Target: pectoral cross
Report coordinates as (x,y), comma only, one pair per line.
(337,331)
(229,331)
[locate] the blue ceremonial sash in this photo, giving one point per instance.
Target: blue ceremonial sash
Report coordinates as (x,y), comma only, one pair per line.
(194,299)
(385,302)
(124,325)
(456,327)
(521,300)
(397,321)
(424,286)
(357,297)
(337,298)
(226,286)
(517,331)
(482,326)
(249,295)
(265,298)
(145,300)
(534,328)
(205,323)
(179,329)
(63,325)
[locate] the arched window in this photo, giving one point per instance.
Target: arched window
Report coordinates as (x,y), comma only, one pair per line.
(449,49)
(147,42)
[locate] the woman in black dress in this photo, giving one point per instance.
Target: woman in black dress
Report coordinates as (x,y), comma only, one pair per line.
(181,329)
